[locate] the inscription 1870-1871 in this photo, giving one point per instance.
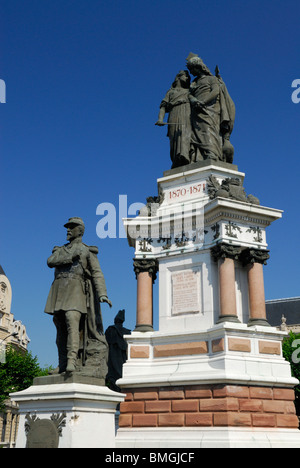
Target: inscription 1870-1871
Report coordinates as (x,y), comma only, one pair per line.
(189,191)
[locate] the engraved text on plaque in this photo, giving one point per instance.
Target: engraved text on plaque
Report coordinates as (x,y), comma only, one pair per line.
(185,291)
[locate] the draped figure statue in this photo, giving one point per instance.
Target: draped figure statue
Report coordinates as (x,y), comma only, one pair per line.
(201,116)
(212,114)
(176,103)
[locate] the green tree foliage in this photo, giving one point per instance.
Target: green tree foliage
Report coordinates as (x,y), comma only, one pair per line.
(17,372)
(291,352)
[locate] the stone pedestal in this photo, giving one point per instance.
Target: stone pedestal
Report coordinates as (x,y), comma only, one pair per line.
(207,239)
(66,412)
(213,375)
(228,386)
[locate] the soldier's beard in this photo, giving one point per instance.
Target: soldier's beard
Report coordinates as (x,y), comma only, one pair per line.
(70,238)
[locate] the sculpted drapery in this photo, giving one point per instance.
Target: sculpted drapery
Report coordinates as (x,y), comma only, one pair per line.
(201,116)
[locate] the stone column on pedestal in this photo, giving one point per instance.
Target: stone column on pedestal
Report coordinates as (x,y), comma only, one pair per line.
(254,259)
(145,271)
(225,255)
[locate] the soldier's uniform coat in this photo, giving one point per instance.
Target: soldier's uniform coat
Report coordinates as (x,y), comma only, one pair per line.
(78,283)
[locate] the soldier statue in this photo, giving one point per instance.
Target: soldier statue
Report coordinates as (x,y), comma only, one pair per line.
(74,299)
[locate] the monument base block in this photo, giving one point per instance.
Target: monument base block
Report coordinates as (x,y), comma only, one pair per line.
(214,374)
(67,414)
(228,386)
(208,437)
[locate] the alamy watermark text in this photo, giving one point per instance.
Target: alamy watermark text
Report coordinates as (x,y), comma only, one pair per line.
(296,93)
(2,92)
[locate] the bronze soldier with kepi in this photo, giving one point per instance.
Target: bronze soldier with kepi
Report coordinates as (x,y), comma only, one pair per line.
(74,298)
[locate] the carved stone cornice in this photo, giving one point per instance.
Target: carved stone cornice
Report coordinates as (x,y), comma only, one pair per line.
(250,256)
(225,251)
(142,265)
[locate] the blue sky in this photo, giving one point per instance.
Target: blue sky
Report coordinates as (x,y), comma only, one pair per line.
(84,81)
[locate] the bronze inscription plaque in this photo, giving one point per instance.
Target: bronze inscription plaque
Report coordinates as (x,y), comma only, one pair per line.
(43,433)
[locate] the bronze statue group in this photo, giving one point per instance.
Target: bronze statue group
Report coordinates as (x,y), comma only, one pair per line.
(201,115)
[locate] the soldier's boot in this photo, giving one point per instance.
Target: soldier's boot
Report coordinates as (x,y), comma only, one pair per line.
(62,358)
(72,321)
(61,342)
(71,366)
(72,354)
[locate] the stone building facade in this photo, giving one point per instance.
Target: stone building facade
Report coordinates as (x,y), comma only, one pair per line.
(12,332)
